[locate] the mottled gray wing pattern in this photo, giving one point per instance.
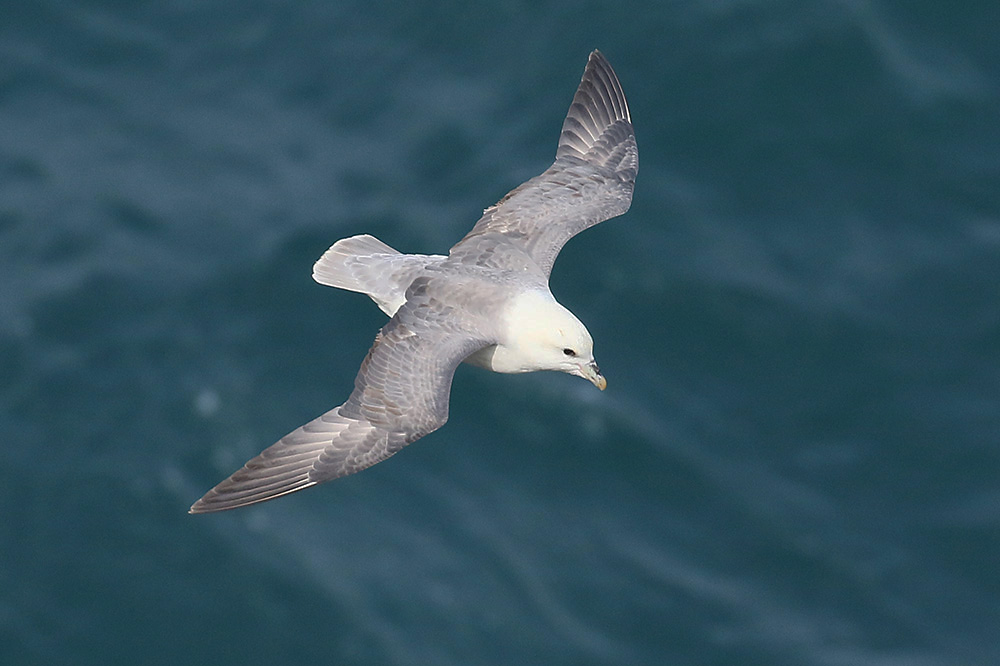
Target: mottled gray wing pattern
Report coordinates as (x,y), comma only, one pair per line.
(400,394)
(590,181)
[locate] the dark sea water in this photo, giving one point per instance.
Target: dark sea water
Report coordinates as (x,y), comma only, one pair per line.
(796,461)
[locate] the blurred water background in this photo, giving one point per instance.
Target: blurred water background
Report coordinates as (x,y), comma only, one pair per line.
(796,460)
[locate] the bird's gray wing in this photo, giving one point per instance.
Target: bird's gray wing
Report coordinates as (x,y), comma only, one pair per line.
(590,181)
(400,394)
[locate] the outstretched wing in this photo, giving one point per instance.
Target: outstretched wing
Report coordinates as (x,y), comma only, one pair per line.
(400,394)
(590,181)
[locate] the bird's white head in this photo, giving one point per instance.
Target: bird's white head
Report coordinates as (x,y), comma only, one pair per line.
(543,335)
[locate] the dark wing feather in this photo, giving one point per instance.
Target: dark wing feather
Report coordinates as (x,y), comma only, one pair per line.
(590,181)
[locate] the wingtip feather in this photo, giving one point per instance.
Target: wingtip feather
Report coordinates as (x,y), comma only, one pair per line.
(598,105)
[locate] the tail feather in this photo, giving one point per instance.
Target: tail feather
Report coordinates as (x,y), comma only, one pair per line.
(367,265)
(336,268)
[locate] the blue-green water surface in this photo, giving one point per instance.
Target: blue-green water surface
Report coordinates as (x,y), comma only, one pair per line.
(796,461)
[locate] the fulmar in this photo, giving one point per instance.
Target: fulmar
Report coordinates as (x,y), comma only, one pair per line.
(486,303)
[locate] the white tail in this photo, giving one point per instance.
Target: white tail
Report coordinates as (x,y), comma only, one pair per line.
(367,265)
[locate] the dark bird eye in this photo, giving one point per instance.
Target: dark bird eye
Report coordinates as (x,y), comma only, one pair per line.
(569,352)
